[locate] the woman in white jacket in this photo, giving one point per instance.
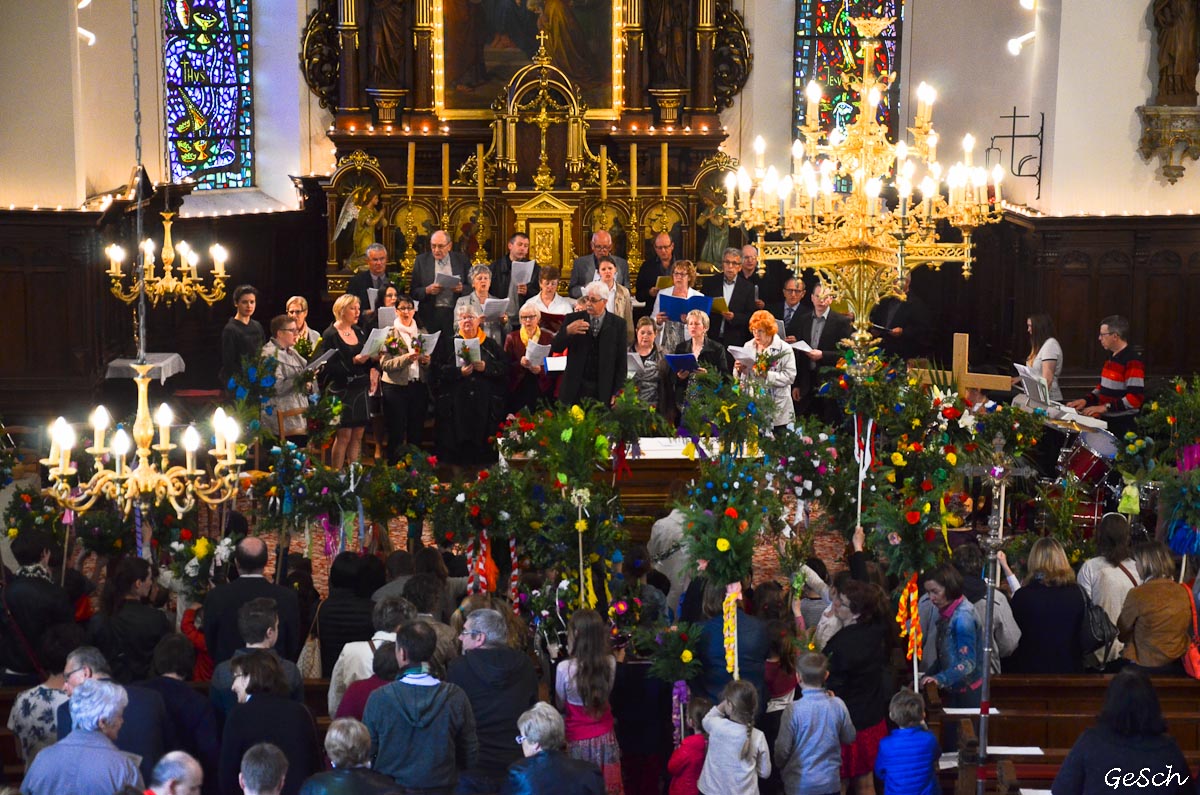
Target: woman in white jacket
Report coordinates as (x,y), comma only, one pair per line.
(774,370)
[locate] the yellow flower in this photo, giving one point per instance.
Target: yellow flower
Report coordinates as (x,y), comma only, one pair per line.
(1154,405)
(12,532)
(577,413)
(891,477)
(898,460)
(916,423)
(535,525)
(581,525)
(926,509)
(686,656)
(951,459)
(722,544)
(202,548)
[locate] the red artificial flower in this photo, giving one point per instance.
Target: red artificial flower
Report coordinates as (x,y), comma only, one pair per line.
(913,517)
(970,447)
(487,520)
(683,636)
(743,526)
(917,447)
(449,535)
(474,510)
(26,498)
(431,460)
(950,448)
(929,534)
(951,413)
(731,512)
(484,474)
(185,535)
(927,485)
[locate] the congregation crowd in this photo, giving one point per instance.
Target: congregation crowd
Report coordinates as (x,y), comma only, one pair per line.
(433,690)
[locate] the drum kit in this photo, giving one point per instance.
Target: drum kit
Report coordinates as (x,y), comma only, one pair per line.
(1087,456)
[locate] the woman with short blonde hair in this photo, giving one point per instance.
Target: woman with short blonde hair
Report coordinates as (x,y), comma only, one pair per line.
(348,376)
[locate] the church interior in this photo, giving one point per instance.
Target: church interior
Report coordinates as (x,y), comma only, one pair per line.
(989,162)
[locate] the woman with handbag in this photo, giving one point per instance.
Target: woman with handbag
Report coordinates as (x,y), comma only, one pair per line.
(1050,609)
(1156,621)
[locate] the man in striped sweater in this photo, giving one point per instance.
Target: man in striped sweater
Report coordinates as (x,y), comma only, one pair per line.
(1119,395)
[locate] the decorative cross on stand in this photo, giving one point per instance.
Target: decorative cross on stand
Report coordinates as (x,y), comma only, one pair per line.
(959,374)
(1000,470)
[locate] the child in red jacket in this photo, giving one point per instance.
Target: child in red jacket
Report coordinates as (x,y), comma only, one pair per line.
(688,759)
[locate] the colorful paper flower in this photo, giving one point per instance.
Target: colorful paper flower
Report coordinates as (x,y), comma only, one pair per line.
(722,544)
(686,656)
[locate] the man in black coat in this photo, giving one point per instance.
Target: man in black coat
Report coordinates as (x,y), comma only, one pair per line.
(583,269)
(374,277)
(792,309)
(147,731)
(502,286)
(223,602)
(648,276)
(32,603)
(437,304)
(501,683)
(731,327)
(191,714)
(822,330)
(595,344)
(770,281)
(903,327)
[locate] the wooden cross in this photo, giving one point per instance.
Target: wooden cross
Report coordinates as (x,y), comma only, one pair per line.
(959,375)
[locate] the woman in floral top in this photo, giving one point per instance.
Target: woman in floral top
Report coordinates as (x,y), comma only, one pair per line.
(33,717)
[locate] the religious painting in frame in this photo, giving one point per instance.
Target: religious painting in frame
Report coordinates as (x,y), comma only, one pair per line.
(479,45)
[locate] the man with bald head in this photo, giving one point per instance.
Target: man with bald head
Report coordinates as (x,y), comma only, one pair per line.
(177,773)
(223,602)
(436,303)
(585,269)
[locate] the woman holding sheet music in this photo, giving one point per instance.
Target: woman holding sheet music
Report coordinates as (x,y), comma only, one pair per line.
(528,382)
(710,354)
(480,277)
(470,380)
(773,367)
(683,279)
(405,381)
(347,375)
(548,301)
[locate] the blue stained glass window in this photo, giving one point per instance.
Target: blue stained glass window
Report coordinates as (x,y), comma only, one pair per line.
(828,47)
(206,63)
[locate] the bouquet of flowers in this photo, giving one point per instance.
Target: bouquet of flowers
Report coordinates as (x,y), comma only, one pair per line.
(8,456)
(624,615)
(394,344)
(674,650)
(253,387)
(305,348)
(31,510)
(725,511)
(192,560)
(405,489)
(324,415)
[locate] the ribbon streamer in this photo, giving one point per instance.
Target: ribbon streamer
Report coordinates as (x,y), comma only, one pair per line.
(863,456)
(679,701)
(733,592)
(472,571)
(137,527)
(514,577)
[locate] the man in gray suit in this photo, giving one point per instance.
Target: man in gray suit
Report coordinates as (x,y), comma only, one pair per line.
(436,302)
(583,270)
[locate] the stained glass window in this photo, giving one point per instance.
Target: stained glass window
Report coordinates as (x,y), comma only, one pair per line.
(828,47)
(206,64)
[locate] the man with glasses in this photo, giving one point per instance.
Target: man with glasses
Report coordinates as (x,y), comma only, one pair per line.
(284,413)
(501,683)
(435,301)
(585,269)
(731,327)
(594,340)
(651,272)
(146,731)
(1118,397)
(792,309)
(373,278)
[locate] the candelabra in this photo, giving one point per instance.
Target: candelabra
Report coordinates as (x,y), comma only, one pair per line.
(123,486)
(862,248)
(187,286)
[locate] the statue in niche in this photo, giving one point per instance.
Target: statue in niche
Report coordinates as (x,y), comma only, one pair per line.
(668,50)
(386,45)
(361,210)
(1176,31)
(716,223)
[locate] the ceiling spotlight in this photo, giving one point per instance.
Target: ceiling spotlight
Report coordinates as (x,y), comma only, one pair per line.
(1015,45)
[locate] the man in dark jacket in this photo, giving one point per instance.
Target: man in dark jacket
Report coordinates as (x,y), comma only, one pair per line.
(223,602)
(32,603)
(595,344)
(192,716)
(500,683)
(422,730)
(147,731)
(258,623)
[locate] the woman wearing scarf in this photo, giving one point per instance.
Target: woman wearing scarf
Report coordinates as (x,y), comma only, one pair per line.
(528,382)
(405,381)
(470,394)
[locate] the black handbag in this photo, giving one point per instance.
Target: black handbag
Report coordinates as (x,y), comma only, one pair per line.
(1096,630)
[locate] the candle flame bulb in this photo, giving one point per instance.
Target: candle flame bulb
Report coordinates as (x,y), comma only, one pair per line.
(120,443)
(191,439)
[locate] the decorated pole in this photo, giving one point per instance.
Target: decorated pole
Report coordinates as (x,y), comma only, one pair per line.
(863,456)
(909,618)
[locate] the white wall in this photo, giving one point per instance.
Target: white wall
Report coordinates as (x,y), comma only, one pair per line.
(765,106)
(39,104)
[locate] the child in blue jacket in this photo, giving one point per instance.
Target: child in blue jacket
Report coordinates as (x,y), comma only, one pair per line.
(907,760)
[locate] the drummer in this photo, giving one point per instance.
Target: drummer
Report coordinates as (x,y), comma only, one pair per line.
(1118,397)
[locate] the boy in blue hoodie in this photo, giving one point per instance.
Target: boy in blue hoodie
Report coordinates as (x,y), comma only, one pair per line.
(907,760)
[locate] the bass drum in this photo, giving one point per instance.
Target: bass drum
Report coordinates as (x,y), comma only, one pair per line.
(1090,457)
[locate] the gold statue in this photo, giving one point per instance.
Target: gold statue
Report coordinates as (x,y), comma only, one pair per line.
(361,207)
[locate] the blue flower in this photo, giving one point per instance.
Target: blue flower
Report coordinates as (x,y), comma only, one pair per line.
(241,393)
(252,374)
(232,383)
(270,410)
(267,382)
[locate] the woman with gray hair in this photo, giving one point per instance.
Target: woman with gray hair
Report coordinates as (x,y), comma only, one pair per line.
(480,277)
(469,392)
(1156,620)
(348,746)
(545,768)
(86,761)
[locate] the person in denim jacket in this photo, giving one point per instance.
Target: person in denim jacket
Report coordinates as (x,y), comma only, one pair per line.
(957,671)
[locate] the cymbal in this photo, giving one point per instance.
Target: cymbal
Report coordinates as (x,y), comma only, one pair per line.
(1065,425)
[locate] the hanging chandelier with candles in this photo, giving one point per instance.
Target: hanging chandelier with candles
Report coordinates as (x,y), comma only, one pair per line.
(862,247)
(144,481)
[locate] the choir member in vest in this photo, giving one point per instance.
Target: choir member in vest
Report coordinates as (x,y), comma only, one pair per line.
(733,326)
(470,395)
(792,309)
(480,277)
(584,269)
(594,340)
(405,382)
(1118,397)
(528,382)
(774,372)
